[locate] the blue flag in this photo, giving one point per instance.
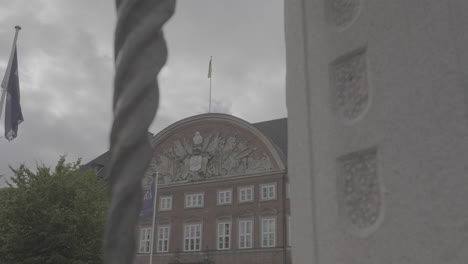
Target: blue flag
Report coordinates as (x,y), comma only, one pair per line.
(148,202)
(13,113)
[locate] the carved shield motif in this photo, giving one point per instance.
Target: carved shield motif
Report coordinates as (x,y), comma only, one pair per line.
(341,13)
(195,163)
(359,188)
(349,85)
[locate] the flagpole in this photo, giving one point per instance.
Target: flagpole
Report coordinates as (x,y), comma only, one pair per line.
(209,75)
(210,97)
(154,216)
(8,69)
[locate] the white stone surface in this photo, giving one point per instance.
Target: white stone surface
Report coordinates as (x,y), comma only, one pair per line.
(413,114)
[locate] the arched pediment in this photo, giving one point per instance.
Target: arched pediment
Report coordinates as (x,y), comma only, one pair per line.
(246,213)
(193,218)
(210,146)
(163,220)
(268,211)
(221,216)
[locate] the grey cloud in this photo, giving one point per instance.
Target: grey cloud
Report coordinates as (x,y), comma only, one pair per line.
(77,79)
(218,106)
(66,68)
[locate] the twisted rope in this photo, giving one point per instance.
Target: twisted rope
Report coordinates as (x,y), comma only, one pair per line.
(140,53)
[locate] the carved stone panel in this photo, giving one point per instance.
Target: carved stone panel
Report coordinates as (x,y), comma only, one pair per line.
(208,151)
(341,13)
(349,85)
(359,189)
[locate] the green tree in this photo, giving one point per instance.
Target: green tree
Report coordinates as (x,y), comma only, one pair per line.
(52,216)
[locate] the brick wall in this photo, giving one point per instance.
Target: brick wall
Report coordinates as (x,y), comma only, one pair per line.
(211,213)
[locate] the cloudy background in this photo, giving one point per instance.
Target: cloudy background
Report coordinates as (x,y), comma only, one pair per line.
(66,68)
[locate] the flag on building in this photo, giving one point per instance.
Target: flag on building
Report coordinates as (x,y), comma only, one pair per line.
(10,84)
(209,69)
(148,201)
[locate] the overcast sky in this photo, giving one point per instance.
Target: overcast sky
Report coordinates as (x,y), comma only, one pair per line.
(66,70)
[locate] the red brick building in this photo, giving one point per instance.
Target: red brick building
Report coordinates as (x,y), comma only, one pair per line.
(222,193)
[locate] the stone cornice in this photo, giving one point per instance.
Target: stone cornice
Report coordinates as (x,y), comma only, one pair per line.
(224,178)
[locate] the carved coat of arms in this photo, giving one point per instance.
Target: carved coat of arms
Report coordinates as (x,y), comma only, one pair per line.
(360,190)
(207,156)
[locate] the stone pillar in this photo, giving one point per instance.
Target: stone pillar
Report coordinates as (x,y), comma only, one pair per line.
(378,130)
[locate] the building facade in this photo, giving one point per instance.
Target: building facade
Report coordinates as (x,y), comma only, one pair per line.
(222,193)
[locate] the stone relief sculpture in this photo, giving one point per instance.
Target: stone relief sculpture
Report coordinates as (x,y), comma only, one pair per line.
(207,156)
(349,85)
(340,13)
(359,188)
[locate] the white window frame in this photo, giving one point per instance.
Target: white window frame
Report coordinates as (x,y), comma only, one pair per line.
(145,240)
(189,238)
(97,167)
(245,188)
(269,233)
(225,192)
(245,234)
(267,185)
(223,236)
(191,204)
(162,200)
(163,236)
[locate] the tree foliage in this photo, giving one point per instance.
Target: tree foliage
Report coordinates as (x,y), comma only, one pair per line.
(52,216)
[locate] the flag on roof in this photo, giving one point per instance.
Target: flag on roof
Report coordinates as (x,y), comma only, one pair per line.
(209,69)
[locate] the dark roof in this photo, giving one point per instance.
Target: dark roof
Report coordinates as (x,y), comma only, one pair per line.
(99,164)
(276,130)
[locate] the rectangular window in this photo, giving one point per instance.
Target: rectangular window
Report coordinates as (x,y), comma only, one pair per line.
(163,238)
(225,197)
(289,230)
(246,194)
(268,191)
(194,200)
(268,232)
(165,203)
(245,233)
(224,235)
(145,240)
(192,237)
(97,167)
